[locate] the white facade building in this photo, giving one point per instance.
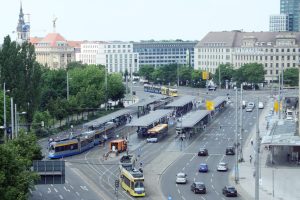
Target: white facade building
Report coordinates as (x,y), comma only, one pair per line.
(120,56)
(279,23)
(116,56)
(276,51)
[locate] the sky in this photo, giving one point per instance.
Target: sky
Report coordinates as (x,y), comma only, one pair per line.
(134,20)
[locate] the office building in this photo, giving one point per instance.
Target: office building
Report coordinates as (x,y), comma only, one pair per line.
(159,53)
(292,9)
(279,23)
(276,51)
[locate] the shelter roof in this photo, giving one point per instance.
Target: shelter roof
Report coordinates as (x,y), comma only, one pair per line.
(150,118)
(191,119)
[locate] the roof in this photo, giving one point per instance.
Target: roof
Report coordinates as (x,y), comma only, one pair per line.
(53,38)
(74,44)
(282,134)
(191,119)
(181,101)
(35,40)
(235,38)
(218,100)
(144,102)
(150,118)
(108,117)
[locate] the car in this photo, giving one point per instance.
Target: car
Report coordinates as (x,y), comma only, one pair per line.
(203,167)
(222,167)
(251,104)
(260,105)
(229,191)
(203,152)
(229,150)
(249,109)
(152,140)
(198,187)
(181,178)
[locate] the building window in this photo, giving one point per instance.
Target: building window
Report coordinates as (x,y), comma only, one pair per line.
(276,71)
(277,65)
(271,71)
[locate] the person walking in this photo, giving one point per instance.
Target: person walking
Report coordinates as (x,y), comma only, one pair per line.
(250,159)
(251,142)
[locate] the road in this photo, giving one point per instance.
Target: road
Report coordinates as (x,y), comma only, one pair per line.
(215,139)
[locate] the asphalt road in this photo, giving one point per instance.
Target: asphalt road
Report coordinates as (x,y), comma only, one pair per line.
(215,140)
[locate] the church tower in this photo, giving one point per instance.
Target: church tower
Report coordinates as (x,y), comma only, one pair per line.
(23,28)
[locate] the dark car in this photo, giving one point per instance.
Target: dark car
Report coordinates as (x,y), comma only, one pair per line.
(198,187)
(203,152)
(229,191)
(229,151)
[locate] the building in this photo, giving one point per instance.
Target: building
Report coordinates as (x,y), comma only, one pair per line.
(292,9)
(279,23)
(91,52)
(119,57)
(53,51)
(275,50)
(23,28)
(159,53)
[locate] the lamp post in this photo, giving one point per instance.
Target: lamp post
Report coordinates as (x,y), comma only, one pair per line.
(4,112)
(106,88)
(241,125)
(220,76)
(17,114)
(177,74)
(67,85)
(12,117)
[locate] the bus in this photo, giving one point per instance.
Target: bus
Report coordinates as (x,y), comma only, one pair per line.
(132,181)
(157,132)
(169,91)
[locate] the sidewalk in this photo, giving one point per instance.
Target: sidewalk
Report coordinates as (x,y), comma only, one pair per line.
(277,182)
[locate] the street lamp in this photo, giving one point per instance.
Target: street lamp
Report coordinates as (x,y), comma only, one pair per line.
(4,111)
(18,119)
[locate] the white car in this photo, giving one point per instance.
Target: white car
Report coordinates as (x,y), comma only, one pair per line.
(152,140)
(181,178)
(222,167)
(260,105)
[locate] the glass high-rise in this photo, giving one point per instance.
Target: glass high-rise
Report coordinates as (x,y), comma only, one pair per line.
(292,9)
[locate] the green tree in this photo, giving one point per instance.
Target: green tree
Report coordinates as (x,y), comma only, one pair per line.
(197,79)
(250,73)
(291,76)
(116,88)
(185,75)
(146,72)
(16,159)
(226,72)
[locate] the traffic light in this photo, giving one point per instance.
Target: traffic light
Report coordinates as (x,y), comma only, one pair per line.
(117,183)
(204,75)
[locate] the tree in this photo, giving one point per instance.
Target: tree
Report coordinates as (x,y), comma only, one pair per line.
(16,159)
(250,73)
(291,76)
(116,88)
(226,72)
(197,80)
(185,75)
(146,71)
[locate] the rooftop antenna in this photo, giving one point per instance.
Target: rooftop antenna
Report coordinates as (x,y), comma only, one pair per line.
(54,23)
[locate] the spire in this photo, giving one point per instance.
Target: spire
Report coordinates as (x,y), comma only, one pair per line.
(21,15)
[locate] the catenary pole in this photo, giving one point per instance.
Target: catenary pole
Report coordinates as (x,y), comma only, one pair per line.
(12,117)
(257,155)
(4,113)
(236,138)
(241,125)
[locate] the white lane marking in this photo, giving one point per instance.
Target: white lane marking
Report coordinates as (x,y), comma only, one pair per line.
(30,191)
(222,158)
(212,186)
(212,175)
(192,157)
(176,185)
(203,198)
(66,189)
(49,190)
(204,138)
(182,197)
(71,187)
(77,193)
(206,158)
(216,138)
(178,191)
(223,198)
(51,185)
(84,188)
(55,190)
(217,193)
(67,181)
(187,163)
(194,179)
(210,179)
(183,168)
(61,197)
(40,194)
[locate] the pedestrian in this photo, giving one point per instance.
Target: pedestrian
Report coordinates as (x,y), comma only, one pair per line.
(250,159)
(251,142)
(288,157)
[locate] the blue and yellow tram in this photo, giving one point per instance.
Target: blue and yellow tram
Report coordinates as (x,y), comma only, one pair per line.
(77,144)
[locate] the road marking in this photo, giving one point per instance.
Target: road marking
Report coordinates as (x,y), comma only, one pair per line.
(222,158)
(77,193)
(192,157)
(71,187)
(216,138)
(55,190)
(211,181)
(176,185)
(207,158)
(212,175)
(40,194)
(217,193)
(49,190)
(66,189)
(67,181)
(51,185)
(183,198)
(213,187)
(178,191)
(203,198)
(187,163)
(183,168)
(84,188)
(30,191)
(61,197)
(194,179)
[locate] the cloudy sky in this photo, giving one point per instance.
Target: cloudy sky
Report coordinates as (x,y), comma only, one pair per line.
(134,20)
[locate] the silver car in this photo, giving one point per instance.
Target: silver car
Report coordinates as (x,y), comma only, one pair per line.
(222,167)
(181,178)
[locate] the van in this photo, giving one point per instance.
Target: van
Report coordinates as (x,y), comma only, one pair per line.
(118,145)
